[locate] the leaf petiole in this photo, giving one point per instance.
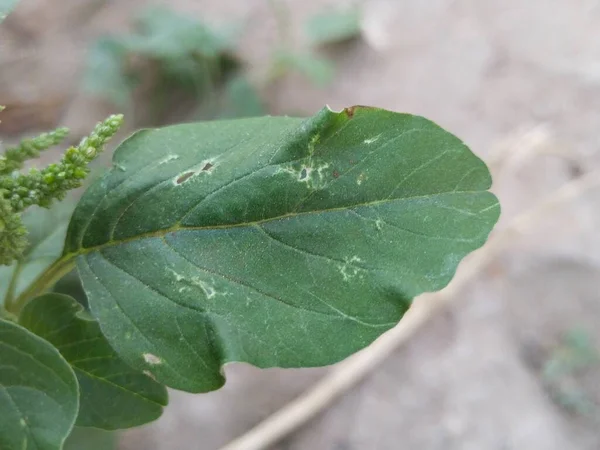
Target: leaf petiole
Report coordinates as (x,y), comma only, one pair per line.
(46,280)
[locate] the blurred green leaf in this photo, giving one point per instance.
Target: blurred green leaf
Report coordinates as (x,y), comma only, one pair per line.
(333,27)
(6,6)
(163,33)
(105,75)
(576,352)
(318,70)
(573,357)
(90,439)
(241,99)
(171,54)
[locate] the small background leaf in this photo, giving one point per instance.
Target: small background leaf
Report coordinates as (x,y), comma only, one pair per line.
(112,395)
(105,71)
(164,33)
(241,99)
(318,70)
(38,392)
(333,27)
(6,6)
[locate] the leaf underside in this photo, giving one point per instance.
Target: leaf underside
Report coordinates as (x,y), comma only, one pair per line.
(38,392)
(112,395)
(274,241)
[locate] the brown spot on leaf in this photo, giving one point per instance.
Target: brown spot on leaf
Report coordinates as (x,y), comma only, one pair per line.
(207,167)
(352,109)
(183,178)
(336,174)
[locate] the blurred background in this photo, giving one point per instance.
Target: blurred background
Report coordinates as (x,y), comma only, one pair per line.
(513,362)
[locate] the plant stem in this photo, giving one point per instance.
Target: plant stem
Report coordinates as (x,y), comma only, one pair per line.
(55,272)
(4,314)
(13,283)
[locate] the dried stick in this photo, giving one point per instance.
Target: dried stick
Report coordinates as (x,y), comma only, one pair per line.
(349,372)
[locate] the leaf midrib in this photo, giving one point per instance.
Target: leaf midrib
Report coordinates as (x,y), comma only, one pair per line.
(178,227)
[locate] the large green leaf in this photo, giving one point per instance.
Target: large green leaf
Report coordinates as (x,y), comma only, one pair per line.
(112,395)
(38,392)
(46,235)
(274,241)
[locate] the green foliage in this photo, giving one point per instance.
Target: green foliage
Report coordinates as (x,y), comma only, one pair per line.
(12,233)
(105,72)
(14,157)
(241,100)
(169,52)
(333,27)
(160,241)
(111,394)
(41,187)
(572,357)
(19,191)
(324,29)
(90,439)
(318,70)
(274,241)
(6,6)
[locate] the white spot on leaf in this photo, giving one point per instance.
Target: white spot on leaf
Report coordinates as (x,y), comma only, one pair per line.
(178,276)
(149,374)
(314,177)
(168,158)
(209,291)
(348,270)
(371,140)
(151,359)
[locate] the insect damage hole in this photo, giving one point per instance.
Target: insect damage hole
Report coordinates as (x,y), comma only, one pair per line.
(183,178)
